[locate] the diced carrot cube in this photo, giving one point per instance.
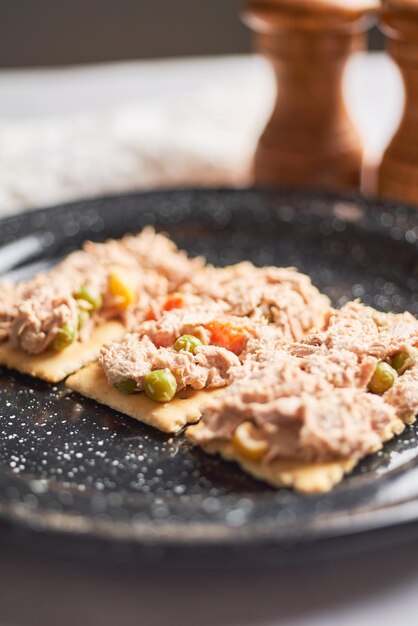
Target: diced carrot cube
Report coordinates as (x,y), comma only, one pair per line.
(228,335)
(175,301)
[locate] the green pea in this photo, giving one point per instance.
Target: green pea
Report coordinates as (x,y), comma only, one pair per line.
(383,378)
(65,337)
(83,318)
(89,294)
(160,385)
(399,361)
(126,386)
(188,343)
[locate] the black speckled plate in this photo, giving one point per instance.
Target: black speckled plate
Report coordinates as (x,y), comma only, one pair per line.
(79,478)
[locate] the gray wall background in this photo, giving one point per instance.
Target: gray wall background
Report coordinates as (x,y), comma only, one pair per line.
(55,32)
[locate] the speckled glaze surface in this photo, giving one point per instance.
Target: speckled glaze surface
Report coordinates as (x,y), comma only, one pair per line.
(81,478)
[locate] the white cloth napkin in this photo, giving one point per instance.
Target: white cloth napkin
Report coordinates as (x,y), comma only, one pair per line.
(200,133)
(78,132)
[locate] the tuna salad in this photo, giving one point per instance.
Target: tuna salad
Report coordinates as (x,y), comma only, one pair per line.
(8,309)
(331,396)
(282,296)
(98,283)
(227,318)
(193,338)
(197,350)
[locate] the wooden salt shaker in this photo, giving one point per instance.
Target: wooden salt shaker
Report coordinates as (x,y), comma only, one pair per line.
(398,172)
(309,139)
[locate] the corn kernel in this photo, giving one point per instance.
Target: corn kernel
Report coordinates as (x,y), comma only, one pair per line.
(120,287)
(247,444)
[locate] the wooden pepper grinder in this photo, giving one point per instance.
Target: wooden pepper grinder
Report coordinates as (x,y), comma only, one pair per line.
(309,139)
(398,172)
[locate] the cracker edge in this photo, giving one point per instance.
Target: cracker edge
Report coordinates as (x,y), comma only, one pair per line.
(55,366)
(170,417)
(307,478)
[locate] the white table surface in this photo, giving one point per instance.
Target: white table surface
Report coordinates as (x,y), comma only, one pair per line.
(73,132)
(377,589)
